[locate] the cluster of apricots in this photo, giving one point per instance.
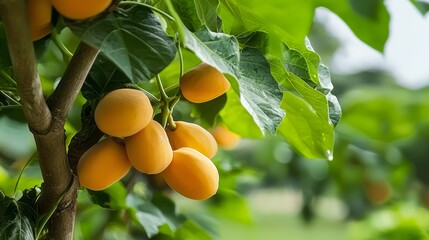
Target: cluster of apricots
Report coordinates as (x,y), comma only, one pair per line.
(39,13)
(180,153)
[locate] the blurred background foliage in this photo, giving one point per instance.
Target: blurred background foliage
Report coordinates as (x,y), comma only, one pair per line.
(375,188)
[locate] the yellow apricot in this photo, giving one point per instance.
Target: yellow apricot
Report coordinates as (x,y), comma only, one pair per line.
(193,136)
(103,164)
(80,9)
(123,112)
(192,174)
(203,83)
(39,14)
(149,150)
(224,137)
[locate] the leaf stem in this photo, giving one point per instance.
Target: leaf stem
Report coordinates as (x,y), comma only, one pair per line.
(179,51)
(151,97)
(20,174)
(164,96)
(164,14)
(7,77)
(179,23)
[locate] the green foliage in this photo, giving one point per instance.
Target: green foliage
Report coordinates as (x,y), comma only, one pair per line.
(133,39)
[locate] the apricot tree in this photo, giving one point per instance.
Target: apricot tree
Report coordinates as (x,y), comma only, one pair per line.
(245,64)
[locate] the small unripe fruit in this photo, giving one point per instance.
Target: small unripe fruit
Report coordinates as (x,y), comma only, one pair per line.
(123,112)
(80,9)
(193,136)
(224,137)
(102,165)
(203,83)
(149,150)
(39,14)
(192,174)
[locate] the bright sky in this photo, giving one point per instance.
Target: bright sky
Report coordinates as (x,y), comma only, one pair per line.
(406,54)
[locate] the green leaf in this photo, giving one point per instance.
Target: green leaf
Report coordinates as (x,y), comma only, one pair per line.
(17,219)
(8,101)
(145,214)
(305,129)
(421,5)
(259,92)
(103,77)
(236,118)
(289,18)
(370,22)
(197,13)
(217,49)
(113,197)
(133,39)
(208,111)
(229,204)
(190,230)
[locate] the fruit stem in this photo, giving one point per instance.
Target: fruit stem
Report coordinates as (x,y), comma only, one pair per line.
(171,124)
(67,55)
(164,96)
(164,14)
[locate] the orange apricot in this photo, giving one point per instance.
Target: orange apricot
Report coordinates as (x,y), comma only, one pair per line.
(203,83)
(193,136)
(123,112)
(39,14)
(224,137)
(103,164)
(80,9)
(149,150)
(192,174)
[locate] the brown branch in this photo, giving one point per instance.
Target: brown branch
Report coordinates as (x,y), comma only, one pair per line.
(63,97)
(21,51)
(47,125)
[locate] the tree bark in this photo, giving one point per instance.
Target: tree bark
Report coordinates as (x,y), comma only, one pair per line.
(46,120)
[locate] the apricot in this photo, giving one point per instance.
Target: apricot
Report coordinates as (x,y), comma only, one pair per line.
(39,14)
(203,83)
(80,9)
(123,112)
(149,150)
(224,137)
(193,136)
(192,174)
(103,164)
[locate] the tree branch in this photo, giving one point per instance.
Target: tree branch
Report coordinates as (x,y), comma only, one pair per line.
(36,111)
(63,97)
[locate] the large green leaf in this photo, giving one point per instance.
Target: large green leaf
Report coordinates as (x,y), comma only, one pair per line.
(305,129)
(259,92)
(197,13)
(190,230)
(421,5)
(370,22)
(290,18)
(133,39)
(113,197)
(17,219)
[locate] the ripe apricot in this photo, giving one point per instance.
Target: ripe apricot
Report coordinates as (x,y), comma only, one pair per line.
(39,14)
(224,137)
(192,174)
(123,112)
(193,136)
(80,9)
(203,83)
(102,165)
(149,150)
